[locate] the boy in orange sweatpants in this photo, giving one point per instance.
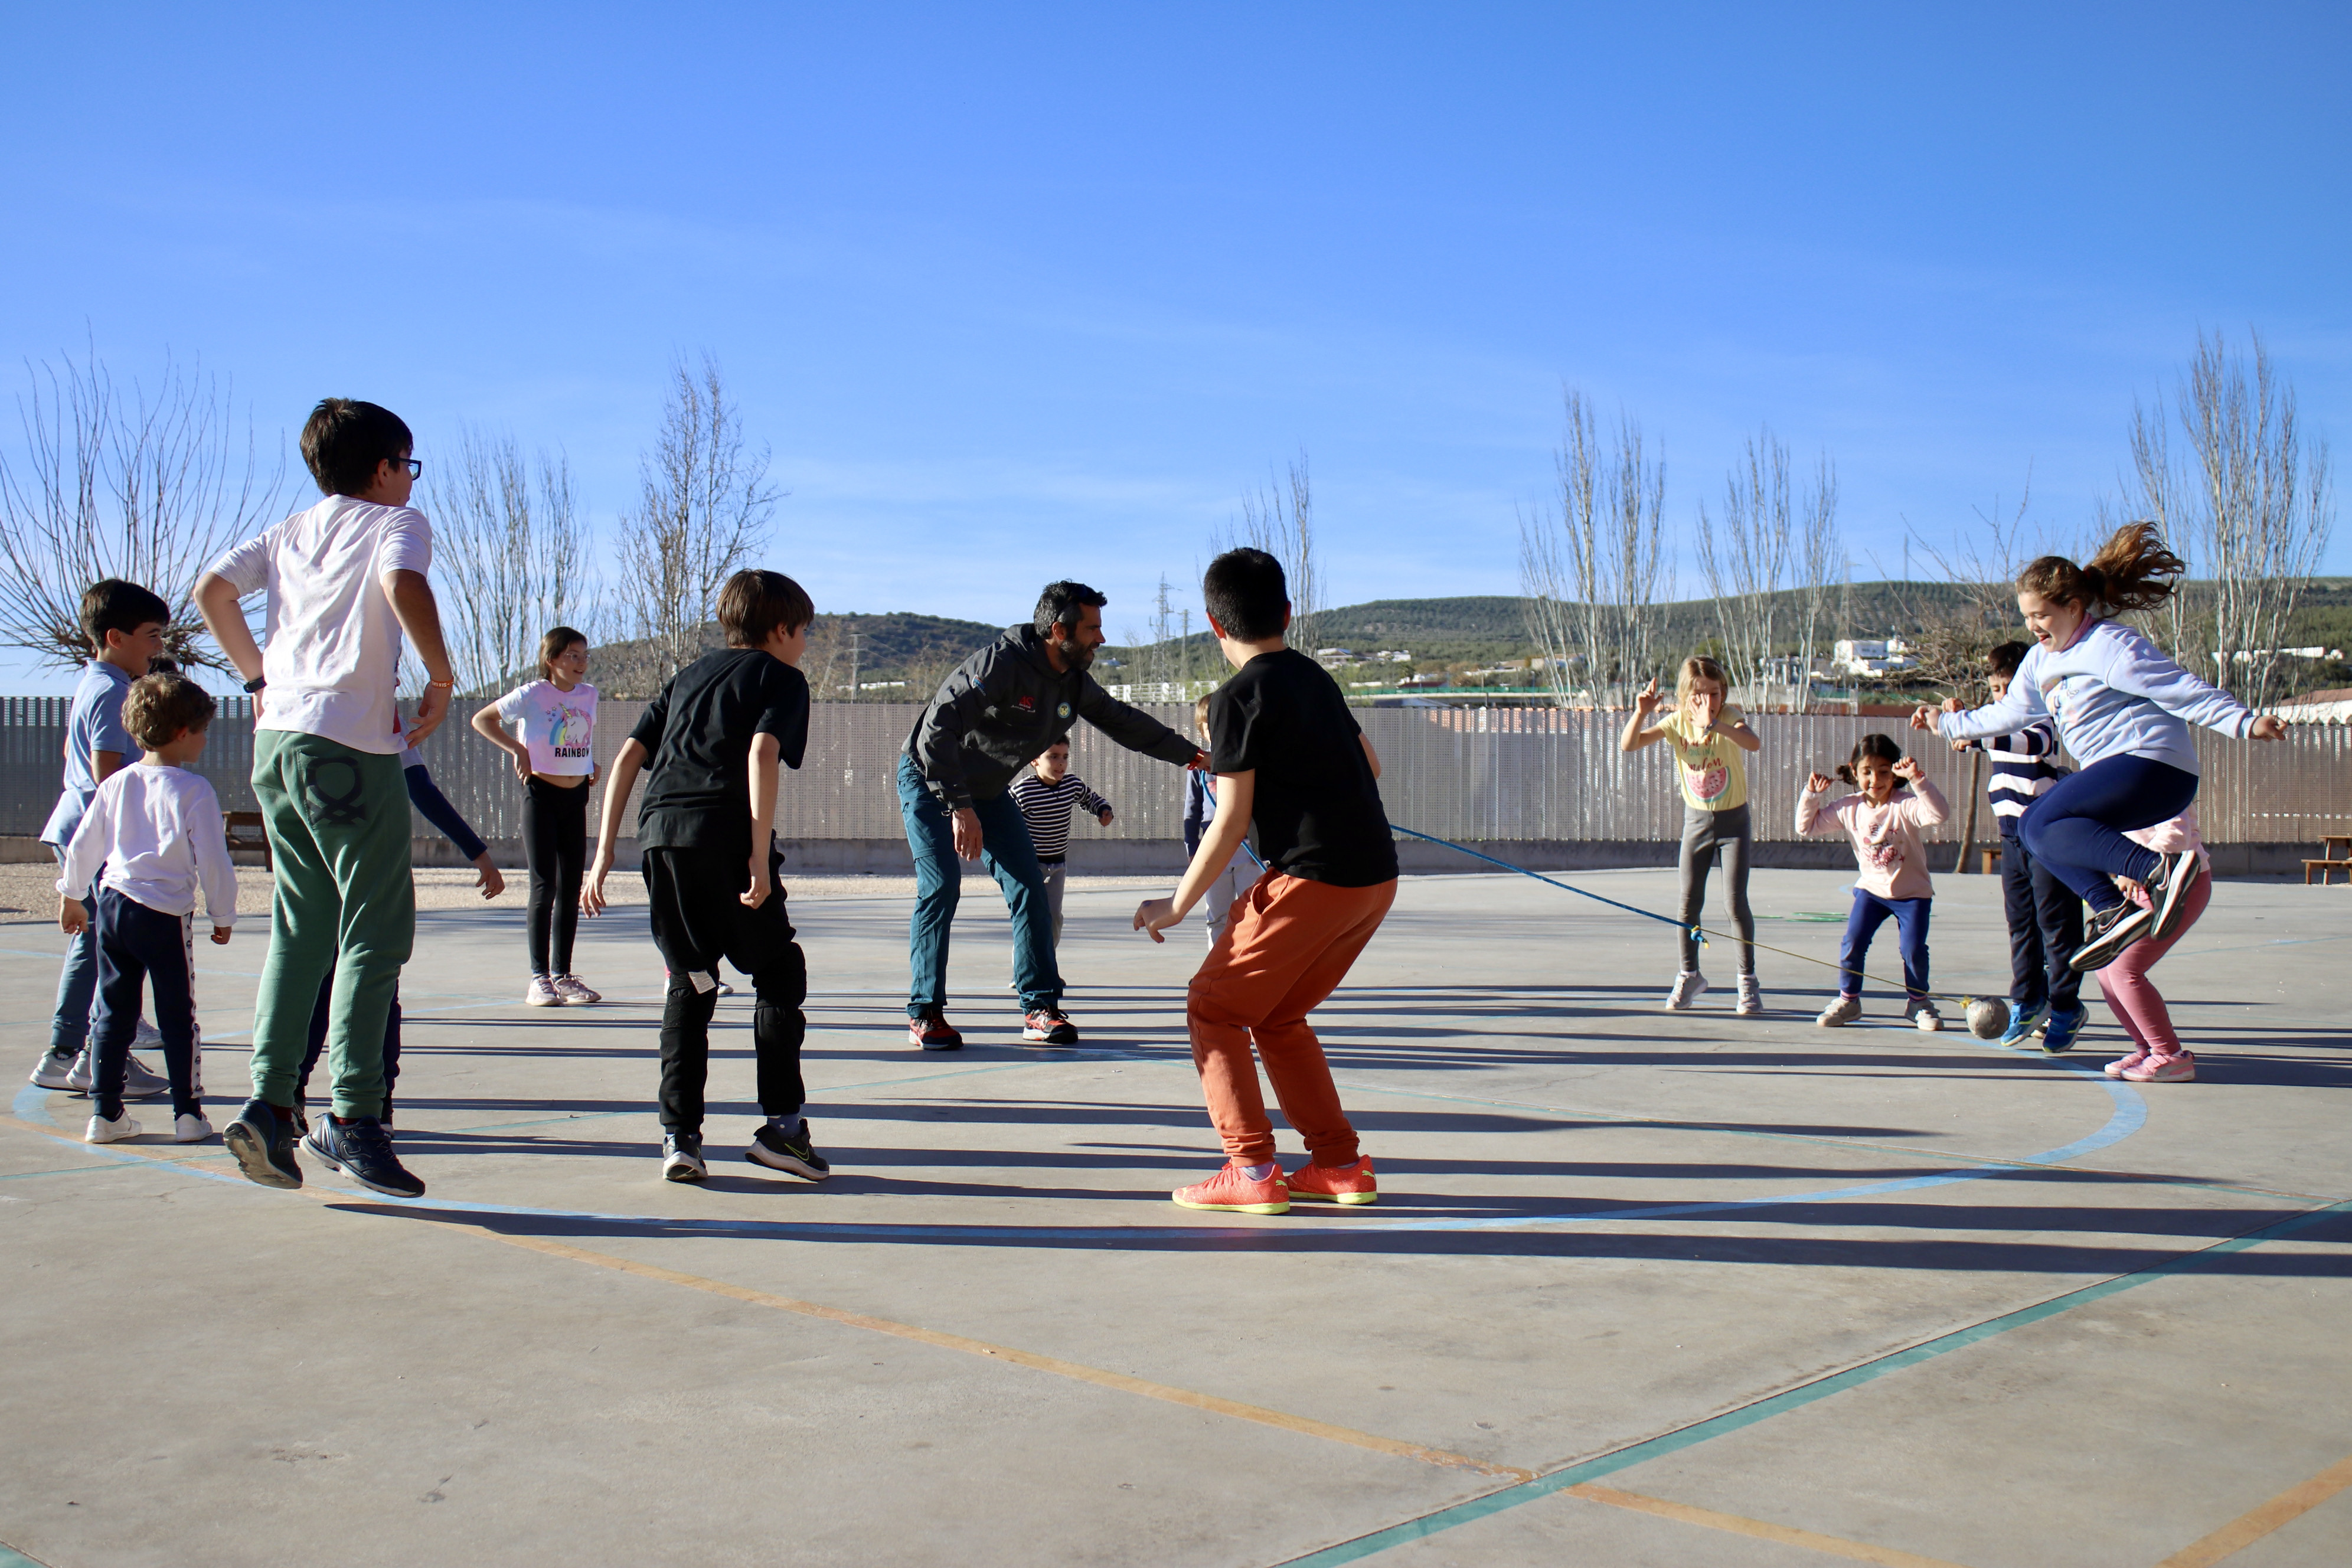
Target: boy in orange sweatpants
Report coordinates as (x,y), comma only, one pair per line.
(1291,759)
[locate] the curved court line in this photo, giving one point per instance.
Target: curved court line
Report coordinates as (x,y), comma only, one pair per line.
(2128,1116)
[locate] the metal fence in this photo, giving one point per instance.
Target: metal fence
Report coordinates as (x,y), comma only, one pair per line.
(1463,774)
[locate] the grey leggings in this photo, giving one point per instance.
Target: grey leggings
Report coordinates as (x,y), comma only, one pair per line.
(1704,833)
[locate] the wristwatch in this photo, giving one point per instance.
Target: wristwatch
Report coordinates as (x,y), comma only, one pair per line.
(257,683)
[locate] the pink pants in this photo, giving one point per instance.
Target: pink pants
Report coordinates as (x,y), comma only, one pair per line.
(2128,990)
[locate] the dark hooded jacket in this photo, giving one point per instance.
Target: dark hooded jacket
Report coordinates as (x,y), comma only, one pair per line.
(1004,705)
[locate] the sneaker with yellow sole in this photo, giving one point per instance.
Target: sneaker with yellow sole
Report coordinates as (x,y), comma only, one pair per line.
(1233,1191)
(1314,1183)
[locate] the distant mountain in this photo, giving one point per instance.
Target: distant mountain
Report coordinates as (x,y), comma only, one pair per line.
(897,647)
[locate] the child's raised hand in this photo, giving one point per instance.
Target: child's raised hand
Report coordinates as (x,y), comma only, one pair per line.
(1647,700)
(2269,726)
(1909,768)
(221,935)
(1816,783)
(72,919)
(1924,717)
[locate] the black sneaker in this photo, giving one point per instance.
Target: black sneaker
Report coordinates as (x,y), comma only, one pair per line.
(1048,1026)
(682,1157)
(796,1153)
(263,1144)
(2108,932)
(359,1148)
(2168,889)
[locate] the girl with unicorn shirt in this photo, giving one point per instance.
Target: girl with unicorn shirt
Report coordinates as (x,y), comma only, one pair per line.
(549,727)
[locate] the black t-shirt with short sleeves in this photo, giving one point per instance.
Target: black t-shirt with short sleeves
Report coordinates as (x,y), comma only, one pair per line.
(697,737)
(1318,807)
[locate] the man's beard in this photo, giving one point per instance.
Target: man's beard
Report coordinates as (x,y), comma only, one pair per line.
(1078,655)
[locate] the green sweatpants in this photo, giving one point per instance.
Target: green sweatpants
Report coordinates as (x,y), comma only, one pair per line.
(339,834)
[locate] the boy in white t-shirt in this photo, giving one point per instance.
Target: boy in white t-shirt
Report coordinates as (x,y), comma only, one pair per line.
(345,579)
(157,831)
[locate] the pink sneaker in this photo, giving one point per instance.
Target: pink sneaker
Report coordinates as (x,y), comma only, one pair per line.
(2124,1065)
(1352,1184)
(2179,1067)
(1232,1191)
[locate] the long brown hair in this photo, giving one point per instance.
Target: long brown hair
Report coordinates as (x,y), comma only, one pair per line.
(2132,571)
(555,646)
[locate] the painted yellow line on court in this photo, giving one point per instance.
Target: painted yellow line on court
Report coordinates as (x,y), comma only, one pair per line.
(1786,1535)
(2250,1527)
(1281,1420)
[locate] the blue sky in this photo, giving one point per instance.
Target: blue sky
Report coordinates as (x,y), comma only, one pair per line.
(1016,292)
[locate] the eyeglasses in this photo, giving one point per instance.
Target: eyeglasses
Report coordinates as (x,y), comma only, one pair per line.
(415,469)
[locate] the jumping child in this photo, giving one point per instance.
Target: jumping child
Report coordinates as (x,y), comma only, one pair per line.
(549,727)
(2122,708)
(2156,1055)
(1883,821)
(1708,733)
(157,830)
(709,745)
(2045,918)
(1291,761)
(1046,795)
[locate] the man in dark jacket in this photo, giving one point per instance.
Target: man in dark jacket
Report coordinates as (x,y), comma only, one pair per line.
(1002,707)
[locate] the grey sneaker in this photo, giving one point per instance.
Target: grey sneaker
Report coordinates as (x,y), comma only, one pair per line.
(1751,998)
(1923,1014)
(141,1081)
(1840,1012)
(573,993)
(54,1071)
(1689,986)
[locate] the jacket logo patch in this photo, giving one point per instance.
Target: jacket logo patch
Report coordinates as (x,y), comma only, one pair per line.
(1026,704)
(1063,712)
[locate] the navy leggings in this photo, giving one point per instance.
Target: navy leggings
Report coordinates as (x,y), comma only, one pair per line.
(140,948)
(1870,913)
(2076,828)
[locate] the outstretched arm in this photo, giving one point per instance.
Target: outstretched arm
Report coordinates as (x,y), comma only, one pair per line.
(1236,795)
(617,791)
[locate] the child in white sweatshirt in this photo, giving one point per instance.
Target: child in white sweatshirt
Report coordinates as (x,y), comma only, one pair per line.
(1883,821)
(157,830)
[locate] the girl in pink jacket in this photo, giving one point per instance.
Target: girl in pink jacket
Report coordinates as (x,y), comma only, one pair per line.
(1883,820)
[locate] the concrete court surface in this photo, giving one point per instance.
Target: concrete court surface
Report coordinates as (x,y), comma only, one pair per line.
(1640,1289)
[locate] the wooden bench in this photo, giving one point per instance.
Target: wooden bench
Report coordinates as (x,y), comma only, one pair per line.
(2330,862)
(245,832)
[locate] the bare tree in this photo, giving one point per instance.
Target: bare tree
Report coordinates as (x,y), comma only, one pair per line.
(1589,572)
(1280,521)
(1745,557)
(1819,561)
(703,509)
(510,556)
(146,486)
(2250,508)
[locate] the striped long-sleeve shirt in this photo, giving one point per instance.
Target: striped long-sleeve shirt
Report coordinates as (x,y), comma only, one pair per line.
(1046,808)
(2021,770)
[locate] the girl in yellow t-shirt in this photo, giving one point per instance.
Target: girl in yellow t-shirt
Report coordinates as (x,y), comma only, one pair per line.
(1707,735)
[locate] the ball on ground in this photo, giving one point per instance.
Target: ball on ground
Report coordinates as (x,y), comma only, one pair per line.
(1987,1016)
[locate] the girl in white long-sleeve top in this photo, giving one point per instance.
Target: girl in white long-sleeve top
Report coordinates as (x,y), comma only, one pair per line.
(2122,708)
(1883,820)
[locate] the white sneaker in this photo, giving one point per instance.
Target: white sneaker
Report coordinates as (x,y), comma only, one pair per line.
(1840,1012)
(542,993)
(145,1037)
(569,987)
(54,1072)
(1925,1016)
(191,1128)
(102,1130)
(1689,986)
(1751,996)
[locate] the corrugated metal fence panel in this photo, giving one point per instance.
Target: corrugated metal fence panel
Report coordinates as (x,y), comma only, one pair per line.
(1463,774)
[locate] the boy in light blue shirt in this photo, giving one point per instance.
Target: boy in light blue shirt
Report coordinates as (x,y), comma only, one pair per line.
(125,625)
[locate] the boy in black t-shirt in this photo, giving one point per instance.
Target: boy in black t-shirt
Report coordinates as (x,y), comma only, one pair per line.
(1290,759)
(709,745)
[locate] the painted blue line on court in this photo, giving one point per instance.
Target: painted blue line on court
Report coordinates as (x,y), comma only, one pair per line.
(1690,1437)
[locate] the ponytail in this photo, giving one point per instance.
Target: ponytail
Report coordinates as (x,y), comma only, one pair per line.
(2132,571)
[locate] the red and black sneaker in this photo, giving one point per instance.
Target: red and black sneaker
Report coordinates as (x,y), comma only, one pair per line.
(1048,1026)
(930,1032)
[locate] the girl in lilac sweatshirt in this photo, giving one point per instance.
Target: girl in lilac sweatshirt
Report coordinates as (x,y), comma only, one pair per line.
(2122,708)
(1883,820)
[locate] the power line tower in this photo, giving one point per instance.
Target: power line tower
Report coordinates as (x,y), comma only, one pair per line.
(1161,662)
(1188,652)
(857,658)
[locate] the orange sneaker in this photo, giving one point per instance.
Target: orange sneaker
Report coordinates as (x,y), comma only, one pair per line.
(1232,1191)
(1314,1183)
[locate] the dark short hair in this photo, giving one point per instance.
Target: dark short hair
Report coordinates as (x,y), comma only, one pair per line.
(344,439)
(1874,746)
(755,603)
(1247,594)
(158,708)
(559,641)
(1059,605)
(2008,658)
(113,605)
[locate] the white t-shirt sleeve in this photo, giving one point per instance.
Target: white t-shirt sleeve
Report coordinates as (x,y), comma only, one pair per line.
(510,706)
(406,544)
(245,568)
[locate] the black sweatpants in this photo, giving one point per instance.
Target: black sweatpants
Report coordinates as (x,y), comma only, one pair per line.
(697,920)
(319,1044)
(2046,929)
(555,847)
(139,947)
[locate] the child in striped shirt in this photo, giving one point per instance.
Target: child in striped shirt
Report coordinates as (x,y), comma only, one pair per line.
(2045,918)
(1046,798)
